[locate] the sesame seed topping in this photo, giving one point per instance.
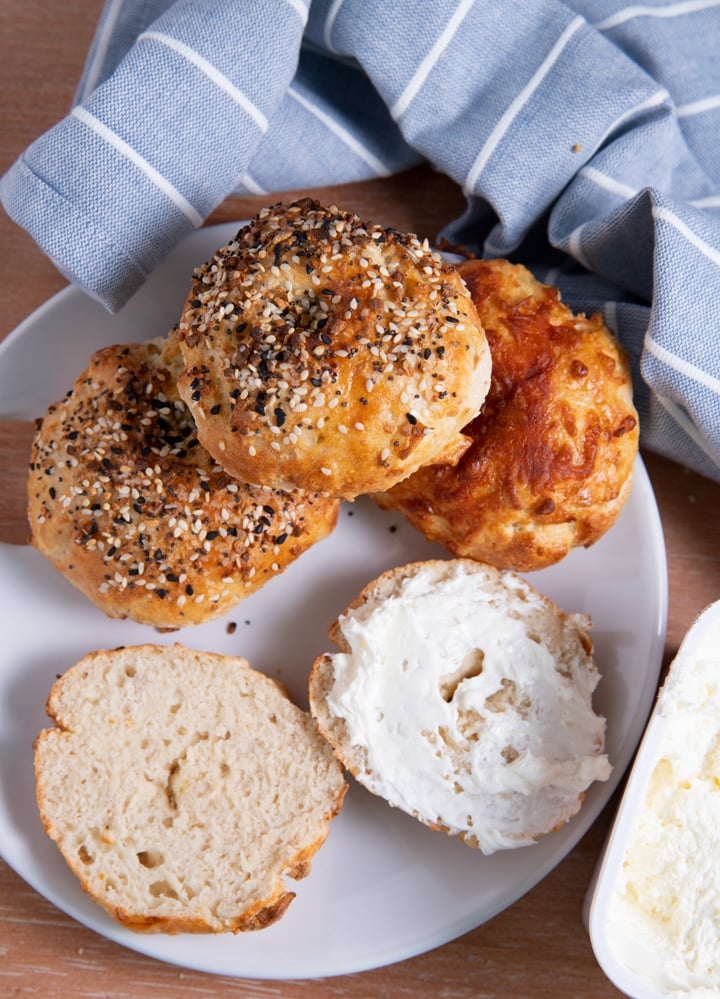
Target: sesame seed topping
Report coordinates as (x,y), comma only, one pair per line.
(154,542)
(304,335)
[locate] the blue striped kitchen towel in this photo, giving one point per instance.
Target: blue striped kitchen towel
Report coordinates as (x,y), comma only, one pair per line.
(585,135)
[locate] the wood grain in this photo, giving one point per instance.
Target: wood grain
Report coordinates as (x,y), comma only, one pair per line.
(538,947)
(15,441)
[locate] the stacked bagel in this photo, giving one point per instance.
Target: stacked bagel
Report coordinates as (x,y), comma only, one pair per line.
(316,358)
(323,353)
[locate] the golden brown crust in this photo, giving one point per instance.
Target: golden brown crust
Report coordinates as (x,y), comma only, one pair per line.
(256,919)
(551,460)
(327,354)
(126,503)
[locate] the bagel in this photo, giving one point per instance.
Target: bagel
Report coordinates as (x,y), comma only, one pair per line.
(463,696)
(126,503)
(181,787)
(552,453)
(326,354)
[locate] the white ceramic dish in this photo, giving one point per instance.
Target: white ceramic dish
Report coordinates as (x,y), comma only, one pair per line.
(623,956)
(384,887)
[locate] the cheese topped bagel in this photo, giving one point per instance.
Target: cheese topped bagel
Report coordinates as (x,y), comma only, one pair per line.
(552,454)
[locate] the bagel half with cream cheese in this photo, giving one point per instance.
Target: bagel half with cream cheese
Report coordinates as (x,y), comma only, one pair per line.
(463,696)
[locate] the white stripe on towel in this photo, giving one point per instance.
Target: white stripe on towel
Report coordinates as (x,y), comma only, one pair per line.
(423,71)
(522,98)
(686,424)
(300,8)
(608,184)
(707,251)
(642,10)
(698,107)
(330,23)
(342,133)
(212,73)
(162,183)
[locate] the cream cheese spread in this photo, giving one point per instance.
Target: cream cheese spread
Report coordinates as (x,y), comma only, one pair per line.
(665,913)
(472,701)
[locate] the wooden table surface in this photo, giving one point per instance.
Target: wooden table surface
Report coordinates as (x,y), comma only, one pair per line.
(538,947)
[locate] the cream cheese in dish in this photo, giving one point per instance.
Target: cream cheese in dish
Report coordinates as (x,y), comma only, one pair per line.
(471,696)
(664,915)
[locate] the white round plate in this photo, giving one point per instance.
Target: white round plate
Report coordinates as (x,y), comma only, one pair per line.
(383,887)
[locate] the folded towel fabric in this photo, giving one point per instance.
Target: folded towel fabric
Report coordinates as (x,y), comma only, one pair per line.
(585,135)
